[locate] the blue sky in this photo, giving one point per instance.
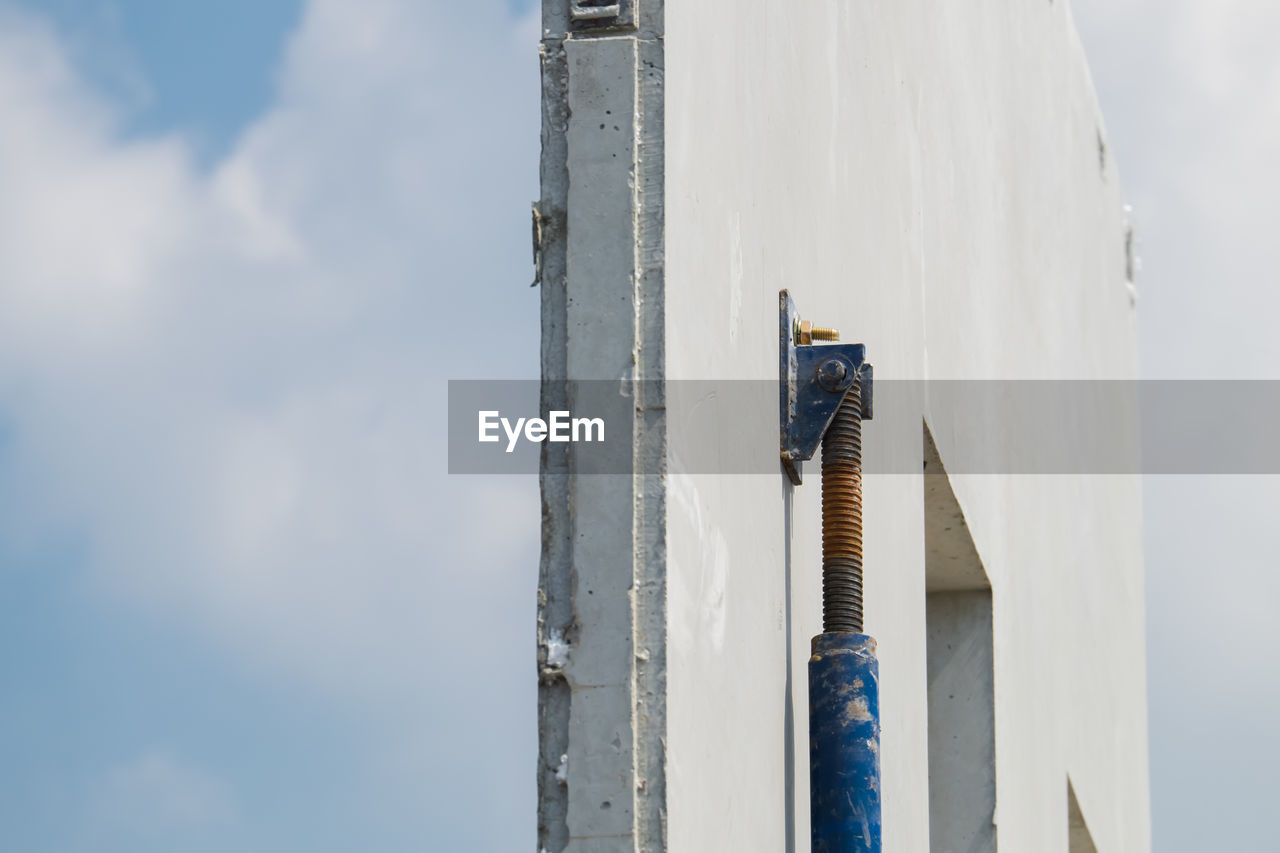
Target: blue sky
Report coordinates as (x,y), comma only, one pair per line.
(205,70)
(241,251)
(217,224)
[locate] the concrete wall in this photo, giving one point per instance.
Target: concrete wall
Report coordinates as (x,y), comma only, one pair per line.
(603,578)
(962,773)
(932,179)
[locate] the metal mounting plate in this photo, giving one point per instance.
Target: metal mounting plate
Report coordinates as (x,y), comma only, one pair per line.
(812,380)
(595,15)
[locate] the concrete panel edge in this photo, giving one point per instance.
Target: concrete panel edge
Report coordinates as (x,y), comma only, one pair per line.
(582,774)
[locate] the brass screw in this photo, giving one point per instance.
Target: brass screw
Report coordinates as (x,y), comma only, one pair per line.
(807,333)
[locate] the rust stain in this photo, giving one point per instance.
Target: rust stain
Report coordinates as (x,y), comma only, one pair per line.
(857,711)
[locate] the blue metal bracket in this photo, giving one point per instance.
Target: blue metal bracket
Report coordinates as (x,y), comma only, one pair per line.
(812,381)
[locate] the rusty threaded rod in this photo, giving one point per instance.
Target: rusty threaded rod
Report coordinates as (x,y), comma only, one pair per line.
(842,517)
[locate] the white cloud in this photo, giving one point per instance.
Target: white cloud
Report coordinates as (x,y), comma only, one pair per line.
(156,793)
(1191,94)
(230,385)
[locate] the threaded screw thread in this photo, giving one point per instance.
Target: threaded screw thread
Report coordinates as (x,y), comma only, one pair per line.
(842,517)
(820,333)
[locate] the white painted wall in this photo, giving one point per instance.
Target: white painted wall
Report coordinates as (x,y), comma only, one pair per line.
(928,178)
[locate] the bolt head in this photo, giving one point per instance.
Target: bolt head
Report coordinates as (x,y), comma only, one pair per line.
(832,374)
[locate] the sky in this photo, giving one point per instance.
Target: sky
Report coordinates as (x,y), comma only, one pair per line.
(244,608)
(242,248)
(1190,91)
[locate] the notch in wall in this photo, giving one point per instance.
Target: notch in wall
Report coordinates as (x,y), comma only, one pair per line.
(589,16)
(1079,839)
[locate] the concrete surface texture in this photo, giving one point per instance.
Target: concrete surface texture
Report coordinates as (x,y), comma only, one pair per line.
(933,180)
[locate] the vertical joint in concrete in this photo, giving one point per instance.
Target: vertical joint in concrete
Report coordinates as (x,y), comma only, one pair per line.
(602,581)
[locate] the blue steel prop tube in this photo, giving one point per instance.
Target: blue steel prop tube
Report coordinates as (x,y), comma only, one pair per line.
(821,398)
(844,744)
